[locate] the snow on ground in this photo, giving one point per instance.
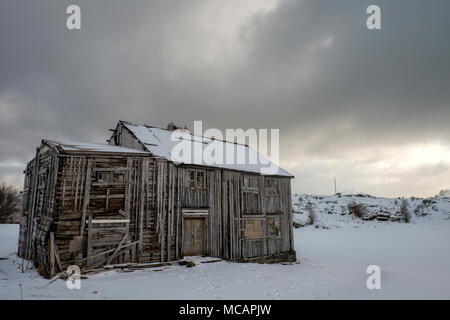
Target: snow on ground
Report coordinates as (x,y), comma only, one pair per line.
(414,259)
(333,211)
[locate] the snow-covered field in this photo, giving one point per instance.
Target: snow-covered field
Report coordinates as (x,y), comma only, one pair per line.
(414,259)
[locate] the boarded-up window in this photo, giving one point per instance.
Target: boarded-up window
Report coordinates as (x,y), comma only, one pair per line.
(195,179)
(274,226)
(119,177)
(102,176)
(271,185)
(200,179)
(253,229)
(195,193)
(190,179)
(108,177)
(251,182)
(251,202)
(251,195)
(78,244)
(272,194)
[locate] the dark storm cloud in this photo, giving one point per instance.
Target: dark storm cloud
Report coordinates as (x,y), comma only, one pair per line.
(310,68)
(384,82)
(75,84)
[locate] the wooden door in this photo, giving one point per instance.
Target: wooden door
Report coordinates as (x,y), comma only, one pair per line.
(194,237)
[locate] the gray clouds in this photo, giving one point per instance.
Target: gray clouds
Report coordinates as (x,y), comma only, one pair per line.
(345,98)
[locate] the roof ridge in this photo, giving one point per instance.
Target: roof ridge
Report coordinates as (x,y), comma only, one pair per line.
(194,135)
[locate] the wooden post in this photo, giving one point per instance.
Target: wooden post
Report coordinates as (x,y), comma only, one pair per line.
(144,168)
(291,227)
(128,187)
(89,242)
(52,254)
(76,187)
(57,257)
(87,191)
(107,200)
(119,246)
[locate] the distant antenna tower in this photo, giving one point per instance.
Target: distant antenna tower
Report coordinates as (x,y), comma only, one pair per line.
(335,190)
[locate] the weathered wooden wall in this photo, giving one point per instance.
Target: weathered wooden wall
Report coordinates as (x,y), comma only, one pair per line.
(103,188)
(224,197)
(93,209)
(226,221)
(38,205)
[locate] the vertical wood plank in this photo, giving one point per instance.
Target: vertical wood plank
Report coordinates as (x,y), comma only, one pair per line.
(89,242)
(86,195)
(52,254)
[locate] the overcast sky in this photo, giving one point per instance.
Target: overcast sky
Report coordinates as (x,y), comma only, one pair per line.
(371,108)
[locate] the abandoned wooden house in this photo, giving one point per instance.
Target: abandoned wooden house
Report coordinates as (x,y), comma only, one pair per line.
(92,205)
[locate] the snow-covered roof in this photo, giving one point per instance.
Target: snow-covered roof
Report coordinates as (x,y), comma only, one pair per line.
(92,147)
(162,143)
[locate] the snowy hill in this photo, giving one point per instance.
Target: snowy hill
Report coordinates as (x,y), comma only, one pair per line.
(355,209)
(444,194)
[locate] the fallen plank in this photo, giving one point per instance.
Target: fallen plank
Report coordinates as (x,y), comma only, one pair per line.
(211,261)
(156,265)
(131,266)
(111,258)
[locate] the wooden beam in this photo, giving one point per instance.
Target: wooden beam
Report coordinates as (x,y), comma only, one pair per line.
(87,192)
(119,246)
(107,200)
(115,169)
(112,250)
(97,221)
(110,196)
(77,183)
(142,198)
(89,242)
(56,252)
(52,254)
(105,184)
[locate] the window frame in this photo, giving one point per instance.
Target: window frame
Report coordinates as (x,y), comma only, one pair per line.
(107,176)
(251,185)
(272,191)
(277,226)
(195,179)
(256,231)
